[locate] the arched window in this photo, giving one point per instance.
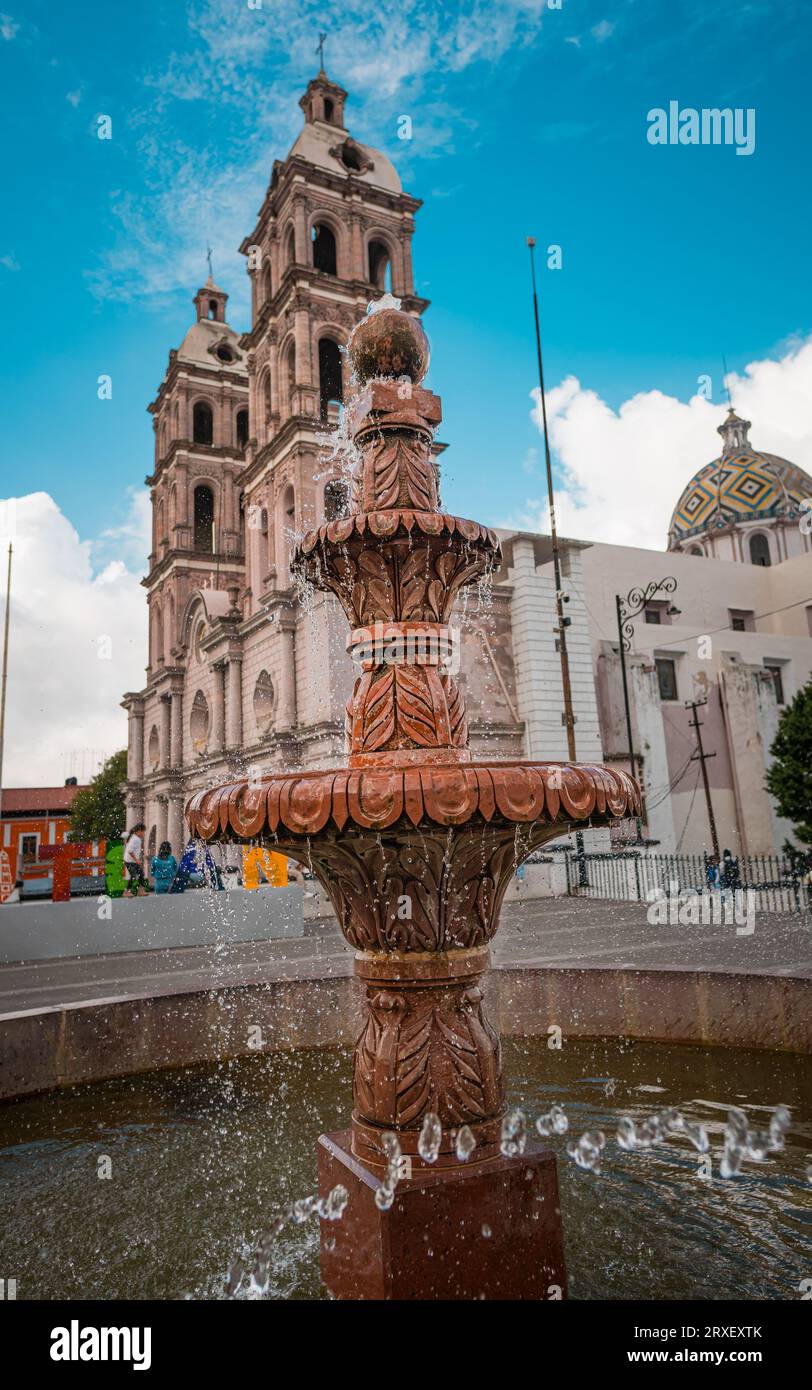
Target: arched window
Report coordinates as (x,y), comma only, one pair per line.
(290,249)
(324,250)
(696,550)
(159,524)
(199,722)
(328,109)
(336,499)
(380,266)
(266,283)
(264,699)
(212,314)
(204,519)
(759,549)
(330,386)
(242,428)
(154,748)
(202,423)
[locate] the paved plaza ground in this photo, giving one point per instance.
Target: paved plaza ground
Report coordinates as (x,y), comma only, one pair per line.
(554,932)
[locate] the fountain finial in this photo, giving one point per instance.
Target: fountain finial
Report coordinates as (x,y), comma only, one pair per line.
(389,343)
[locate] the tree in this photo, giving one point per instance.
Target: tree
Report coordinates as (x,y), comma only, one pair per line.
(789,779)
(98,812)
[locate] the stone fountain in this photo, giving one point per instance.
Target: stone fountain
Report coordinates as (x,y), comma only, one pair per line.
(415,842)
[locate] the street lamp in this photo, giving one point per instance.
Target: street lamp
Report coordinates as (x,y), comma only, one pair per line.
(628,609)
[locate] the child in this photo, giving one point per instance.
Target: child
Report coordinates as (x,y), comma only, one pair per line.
(163,868)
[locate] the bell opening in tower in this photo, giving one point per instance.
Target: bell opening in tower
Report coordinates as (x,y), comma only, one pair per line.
(204,519)
(330,384)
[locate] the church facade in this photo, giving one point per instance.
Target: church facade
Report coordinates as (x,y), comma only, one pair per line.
(244,672)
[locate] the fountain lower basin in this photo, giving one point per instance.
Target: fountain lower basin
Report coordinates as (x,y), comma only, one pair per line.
(202,1157)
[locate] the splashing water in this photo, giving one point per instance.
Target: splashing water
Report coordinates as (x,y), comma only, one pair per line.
(656,1128)
(554,1122)
(743,1144)
(254,1276)
(586,1151)
(332,1207)
(514,1134)
(465,1145)
(431,1135)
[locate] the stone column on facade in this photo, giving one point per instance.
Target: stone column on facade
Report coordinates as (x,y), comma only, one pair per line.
(135,760)
(300,233)
(301,333)
(161,821)
(273,367)
(272,256)
(234,703)
(176,730)
(406,272)
(358,271)
(166,739)
(175,828)
(133,810)
(286,708)
(217,735)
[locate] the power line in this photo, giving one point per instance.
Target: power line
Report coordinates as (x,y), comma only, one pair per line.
(688,817)
(727,628)
(702,758)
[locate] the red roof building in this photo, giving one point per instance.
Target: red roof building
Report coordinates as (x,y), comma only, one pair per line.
(34,816)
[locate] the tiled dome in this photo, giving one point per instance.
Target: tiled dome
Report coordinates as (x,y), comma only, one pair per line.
(741,485)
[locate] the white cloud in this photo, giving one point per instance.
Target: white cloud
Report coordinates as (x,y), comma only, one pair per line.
(74,97)
(624,470)
(9,262)
(9,27)
(61,696)
(602,30)
(250,66)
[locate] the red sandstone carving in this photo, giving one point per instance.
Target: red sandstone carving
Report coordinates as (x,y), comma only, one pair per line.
(414,842)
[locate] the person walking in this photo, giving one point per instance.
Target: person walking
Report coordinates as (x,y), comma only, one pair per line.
(163,868)
(134,861)
(729,877)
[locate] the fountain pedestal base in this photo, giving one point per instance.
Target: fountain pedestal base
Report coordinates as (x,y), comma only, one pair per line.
(490,1230)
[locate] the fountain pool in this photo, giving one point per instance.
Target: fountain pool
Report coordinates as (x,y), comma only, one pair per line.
(202,1158)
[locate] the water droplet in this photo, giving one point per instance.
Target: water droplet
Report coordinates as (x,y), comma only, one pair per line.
(332,1206)
(514,1133)
(586,1151)
(428,1145)
(779,1124)
(487,1232)
(384,1197)
(304,1208)
(466,1143)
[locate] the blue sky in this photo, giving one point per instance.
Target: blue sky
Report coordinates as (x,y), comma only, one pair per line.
(526,119)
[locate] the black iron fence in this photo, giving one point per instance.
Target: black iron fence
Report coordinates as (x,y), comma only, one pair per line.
(632,876)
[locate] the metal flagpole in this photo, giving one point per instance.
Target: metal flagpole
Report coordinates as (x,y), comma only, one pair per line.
(563,623)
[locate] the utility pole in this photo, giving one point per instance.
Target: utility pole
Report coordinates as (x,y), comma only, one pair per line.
(560,598)
(702,757)
(627,610)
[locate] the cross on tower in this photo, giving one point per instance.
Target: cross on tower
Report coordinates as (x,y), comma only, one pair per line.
(320,51)
(208,258)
